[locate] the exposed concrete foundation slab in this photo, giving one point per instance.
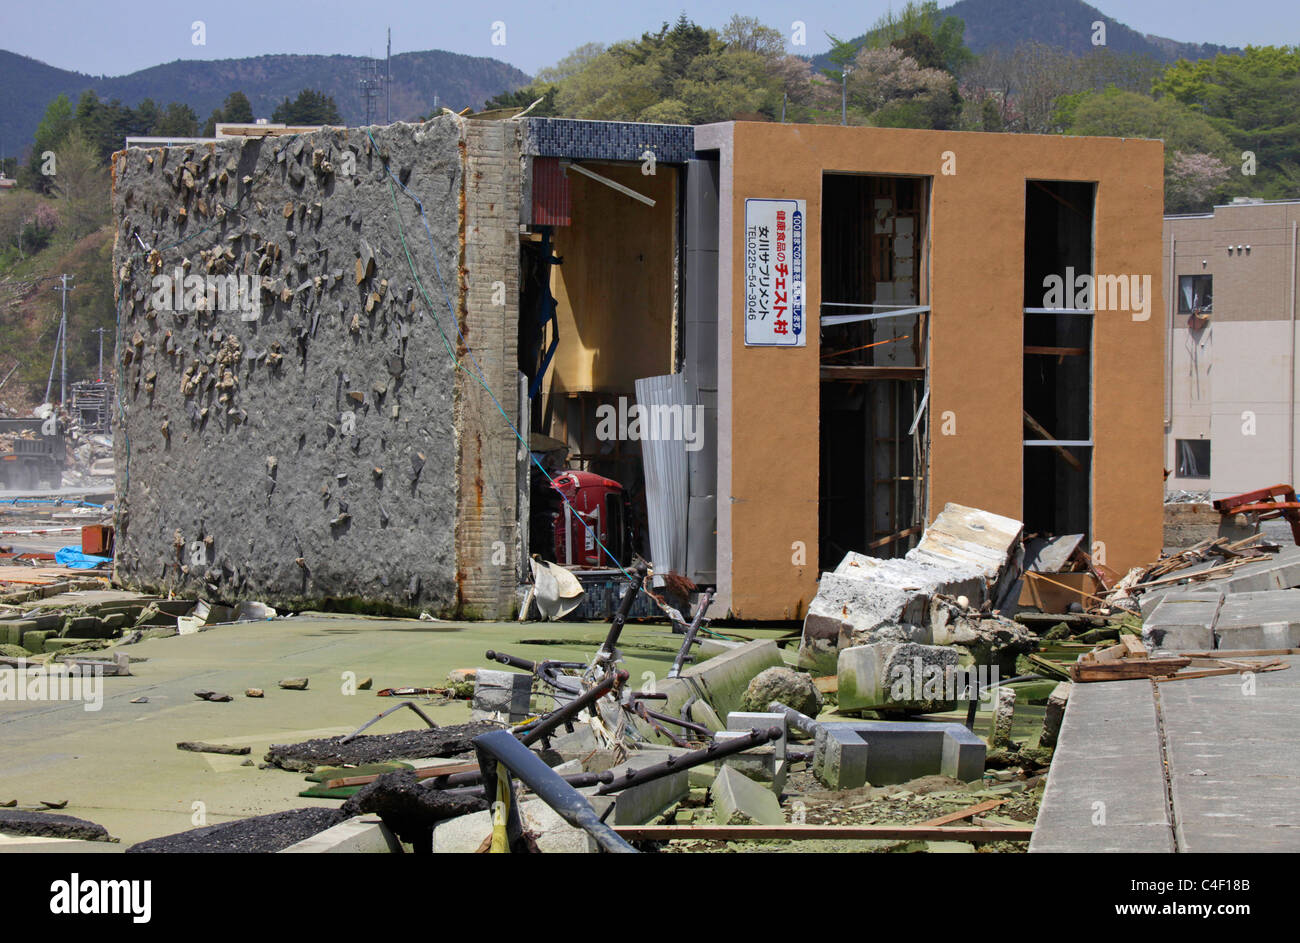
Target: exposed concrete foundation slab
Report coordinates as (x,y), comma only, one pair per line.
(1269,619)
(1183,620)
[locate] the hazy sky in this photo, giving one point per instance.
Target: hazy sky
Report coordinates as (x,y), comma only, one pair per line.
(108,38)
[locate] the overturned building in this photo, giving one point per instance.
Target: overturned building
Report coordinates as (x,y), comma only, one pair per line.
(742,350)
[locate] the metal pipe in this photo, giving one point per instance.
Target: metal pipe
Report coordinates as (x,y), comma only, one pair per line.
(379,717)
(523,664)
(674,764)
(684,652)
(544,727)
(500,747)
(610,644)
(800,722)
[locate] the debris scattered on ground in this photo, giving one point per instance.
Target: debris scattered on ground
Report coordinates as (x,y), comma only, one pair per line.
(198,746)
(328,751)
(50,825)
(212,696)
(262,833)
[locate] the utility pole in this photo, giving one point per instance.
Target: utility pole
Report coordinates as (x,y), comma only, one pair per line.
(64,288)
(101,331)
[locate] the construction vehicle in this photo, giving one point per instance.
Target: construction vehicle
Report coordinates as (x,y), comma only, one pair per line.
(32,454)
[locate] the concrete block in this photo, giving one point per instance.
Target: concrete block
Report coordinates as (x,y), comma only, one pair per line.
(645,802)
(11,631)
(363,834)
(851,754)
(1055,713)
(1004,715)
(34,640)
(468,833)
(1182,621)
(897,676)
(504,694)
(717,685)
(738,800)
(1269,619)
(58,644)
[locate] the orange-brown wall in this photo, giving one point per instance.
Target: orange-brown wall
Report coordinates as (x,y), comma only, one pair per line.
(976,253)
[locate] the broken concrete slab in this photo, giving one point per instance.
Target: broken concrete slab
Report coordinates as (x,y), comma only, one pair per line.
(853,753)
(1055,713)
(1182,621)
(964,553)
(1259,620)
(1004,715)
(716,687)
(897,676)
(362,834)
(469,834)
(738,800)
(642,803)
(501,695)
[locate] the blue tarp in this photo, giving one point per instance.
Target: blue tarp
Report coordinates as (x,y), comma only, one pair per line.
(74,558)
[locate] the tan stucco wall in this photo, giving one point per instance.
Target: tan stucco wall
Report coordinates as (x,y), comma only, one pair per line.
(769,470)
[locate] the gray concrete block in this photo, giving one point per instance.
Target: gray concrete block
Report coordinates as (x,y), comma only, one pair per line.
(501,693)
(738,800)
(851,754)
(637,805)
(897,676)
(1269,619)
(1182,621)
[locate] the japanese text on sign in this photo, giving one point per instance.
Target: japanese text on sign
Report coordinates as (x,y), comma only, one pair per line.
(774,281)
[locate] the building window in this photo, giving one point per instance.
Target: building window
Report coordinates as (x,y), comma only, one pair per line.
(1195,294)
(1193,457)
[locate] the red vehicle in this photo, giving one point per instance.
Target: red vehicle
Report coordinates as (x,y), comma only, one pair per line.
(596,508)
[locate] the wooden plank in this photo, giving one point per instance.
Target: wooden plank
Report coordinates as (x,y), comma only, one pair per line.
(432,772)
(1056,351)
(1212,672)
(1061,450)
(807,832)
(1244,653)
(962,813)
(852,372)
(1133,647)
(1126,669)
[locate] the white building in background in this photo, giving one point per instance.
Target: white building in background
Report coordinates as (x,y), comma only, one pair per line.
(1230,357)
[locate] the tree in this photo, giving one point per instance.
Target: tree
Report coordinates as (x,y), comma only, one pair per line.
(177,120)
(893,90)
(81,185)
(54,127)
(944,34)
(309,108)
(235,110)
(1254,100)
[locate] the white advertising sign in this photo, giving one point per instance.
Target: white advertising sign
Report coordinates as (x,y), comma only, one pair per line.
(774,277)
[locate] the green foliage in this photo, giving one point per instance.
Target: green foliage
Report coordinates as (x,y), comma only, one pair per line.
(311,107)
(924,20)
(1254,100)
(235,110)
(523,97)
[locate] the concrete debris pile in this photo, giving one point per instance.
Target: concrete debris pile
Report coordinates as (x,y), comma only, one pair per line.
(71,623)
(1218,594)
(922,615)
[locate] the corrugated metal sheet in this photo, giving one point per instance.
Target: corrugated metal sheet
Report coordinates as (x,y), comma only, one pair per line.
(551,202)
(666,477)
